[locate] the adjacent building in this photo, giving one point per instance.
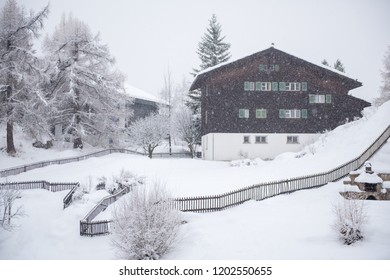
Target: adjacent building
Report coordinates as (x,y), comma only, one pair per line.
(271,102)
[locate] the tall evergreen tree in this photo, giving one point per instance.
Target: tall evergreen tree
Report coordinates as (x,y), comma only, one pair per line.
(212,50)
(20,69)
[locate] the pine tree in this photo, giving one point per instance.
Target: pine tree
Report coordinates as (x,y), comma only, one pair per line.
(86,90)
(339,66)
(385,88)
(325,62)
(20,70)
(212,50)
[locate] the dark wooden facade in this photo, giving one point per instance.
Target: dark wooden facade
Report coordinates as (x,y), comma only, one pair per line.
(223,95)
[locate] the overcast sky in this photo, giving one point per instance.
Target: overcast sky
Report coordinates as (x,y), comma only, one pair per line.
(148,36)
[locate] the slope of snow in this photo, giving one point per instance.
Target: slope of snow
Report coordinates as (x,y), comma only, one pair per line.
(295,226)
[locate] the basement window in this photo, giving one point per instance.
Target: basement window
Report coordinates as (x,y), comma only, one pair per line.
(292,140)
(247,139)
(261,139)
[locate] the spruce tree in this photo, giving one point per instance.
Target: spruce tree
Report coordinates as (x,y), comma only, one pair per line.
(385,88)
(212,50)
(339,66)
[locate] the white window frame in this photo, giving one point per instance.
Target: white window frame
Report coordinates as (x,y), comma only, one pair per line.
(292,139)
(293,86)
(292,114)
(249,86)
(317,98)
(262,138)
(246,113)
(266,86)
(263,113)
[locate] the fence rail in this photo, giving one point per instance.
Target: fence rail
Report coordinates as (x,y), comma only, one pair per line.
(270,189)
(92,228)
(20,169)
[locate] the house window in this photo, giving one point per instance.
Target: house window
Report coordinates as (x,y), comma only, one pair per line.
(320,98)
(293,87)
(290,114)
(261,113)
(316,98)
(304,86)
(249,86)
(246,139)
(263,86)
(243,113)
(292,140)
(275,86)
(261,139)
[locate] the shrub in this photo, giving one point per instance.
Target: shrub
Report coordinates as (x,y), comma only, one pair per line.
(145,226)
(350,217)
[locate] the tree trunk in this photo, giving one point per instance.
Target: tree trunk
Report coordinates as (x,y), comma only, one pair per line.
(150,152)
(10,139)
(170,144)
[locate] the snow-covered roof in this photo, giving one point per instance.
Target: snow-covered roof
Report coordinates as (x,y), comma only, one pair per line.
(272,48)
(370,178)
(141,94)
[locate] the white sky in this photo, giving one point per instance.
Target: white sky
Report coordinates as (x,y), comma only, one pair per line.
(147,37)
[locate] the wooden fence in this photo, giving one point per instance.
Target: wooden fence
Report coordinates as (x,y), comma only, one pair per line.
(92,228)
(53,187)
(270,189)
(28,167)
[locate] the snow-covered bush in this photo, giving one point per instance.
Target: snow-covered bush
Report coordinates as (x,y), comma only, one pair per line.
(350,217)
(145,226)
(121,181)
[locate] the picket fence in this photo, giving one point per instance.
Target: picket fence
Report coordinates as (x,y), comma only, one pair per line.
(53,187)
(89,227)
(256,192)
(28,167)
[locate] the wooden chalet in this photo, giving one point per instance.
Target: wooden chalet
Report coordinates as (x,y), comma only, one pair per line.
(271,102)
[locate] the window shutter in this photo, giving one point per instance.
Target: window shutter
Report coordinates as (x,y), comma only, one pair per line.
(282,113)
(264,113)
(241,113)
(246,113)
(328,98)
(304,113)
(276,67)
(246,86)
(258,86)
(304,86)
(312,98)
(282,86)
(275,86)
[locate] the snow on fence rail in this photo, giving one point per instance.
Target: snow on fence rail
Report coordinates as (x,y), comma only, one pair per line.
(270,189)
(25,168)
(92,228)
(53,187)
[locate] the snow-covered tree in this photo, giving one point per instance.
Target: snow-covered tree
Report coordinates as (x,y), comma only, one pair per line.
(149,132)
(212,50)
(20,70)
(186,128)
(145,227)
(7,209)
(86,90)
(385,88)
(338,65)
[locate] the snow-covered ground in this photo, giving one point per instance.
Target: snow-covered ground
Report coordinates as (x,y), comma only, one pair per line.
(296,226)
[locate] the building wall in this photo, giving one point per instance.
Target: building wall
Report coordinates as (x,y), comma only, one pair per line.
(231,146)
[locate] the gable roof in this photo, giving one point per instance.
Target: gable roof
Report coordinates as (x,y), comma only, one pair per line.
(142,95)
(202,75)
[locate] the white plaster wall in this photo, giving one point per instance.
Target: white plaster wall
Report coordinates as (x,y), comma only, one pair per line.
(230,146)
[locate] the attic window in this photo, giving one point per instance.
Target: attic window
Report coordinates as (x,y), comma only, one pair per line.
(249,86)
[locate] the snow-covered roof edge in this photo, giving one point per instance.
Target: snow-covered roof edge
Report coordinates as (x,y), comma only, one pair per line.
(141,94)
(230,62)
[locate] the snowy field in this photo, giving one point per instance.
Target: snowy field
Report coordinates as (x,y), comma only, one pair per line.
(295,226)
